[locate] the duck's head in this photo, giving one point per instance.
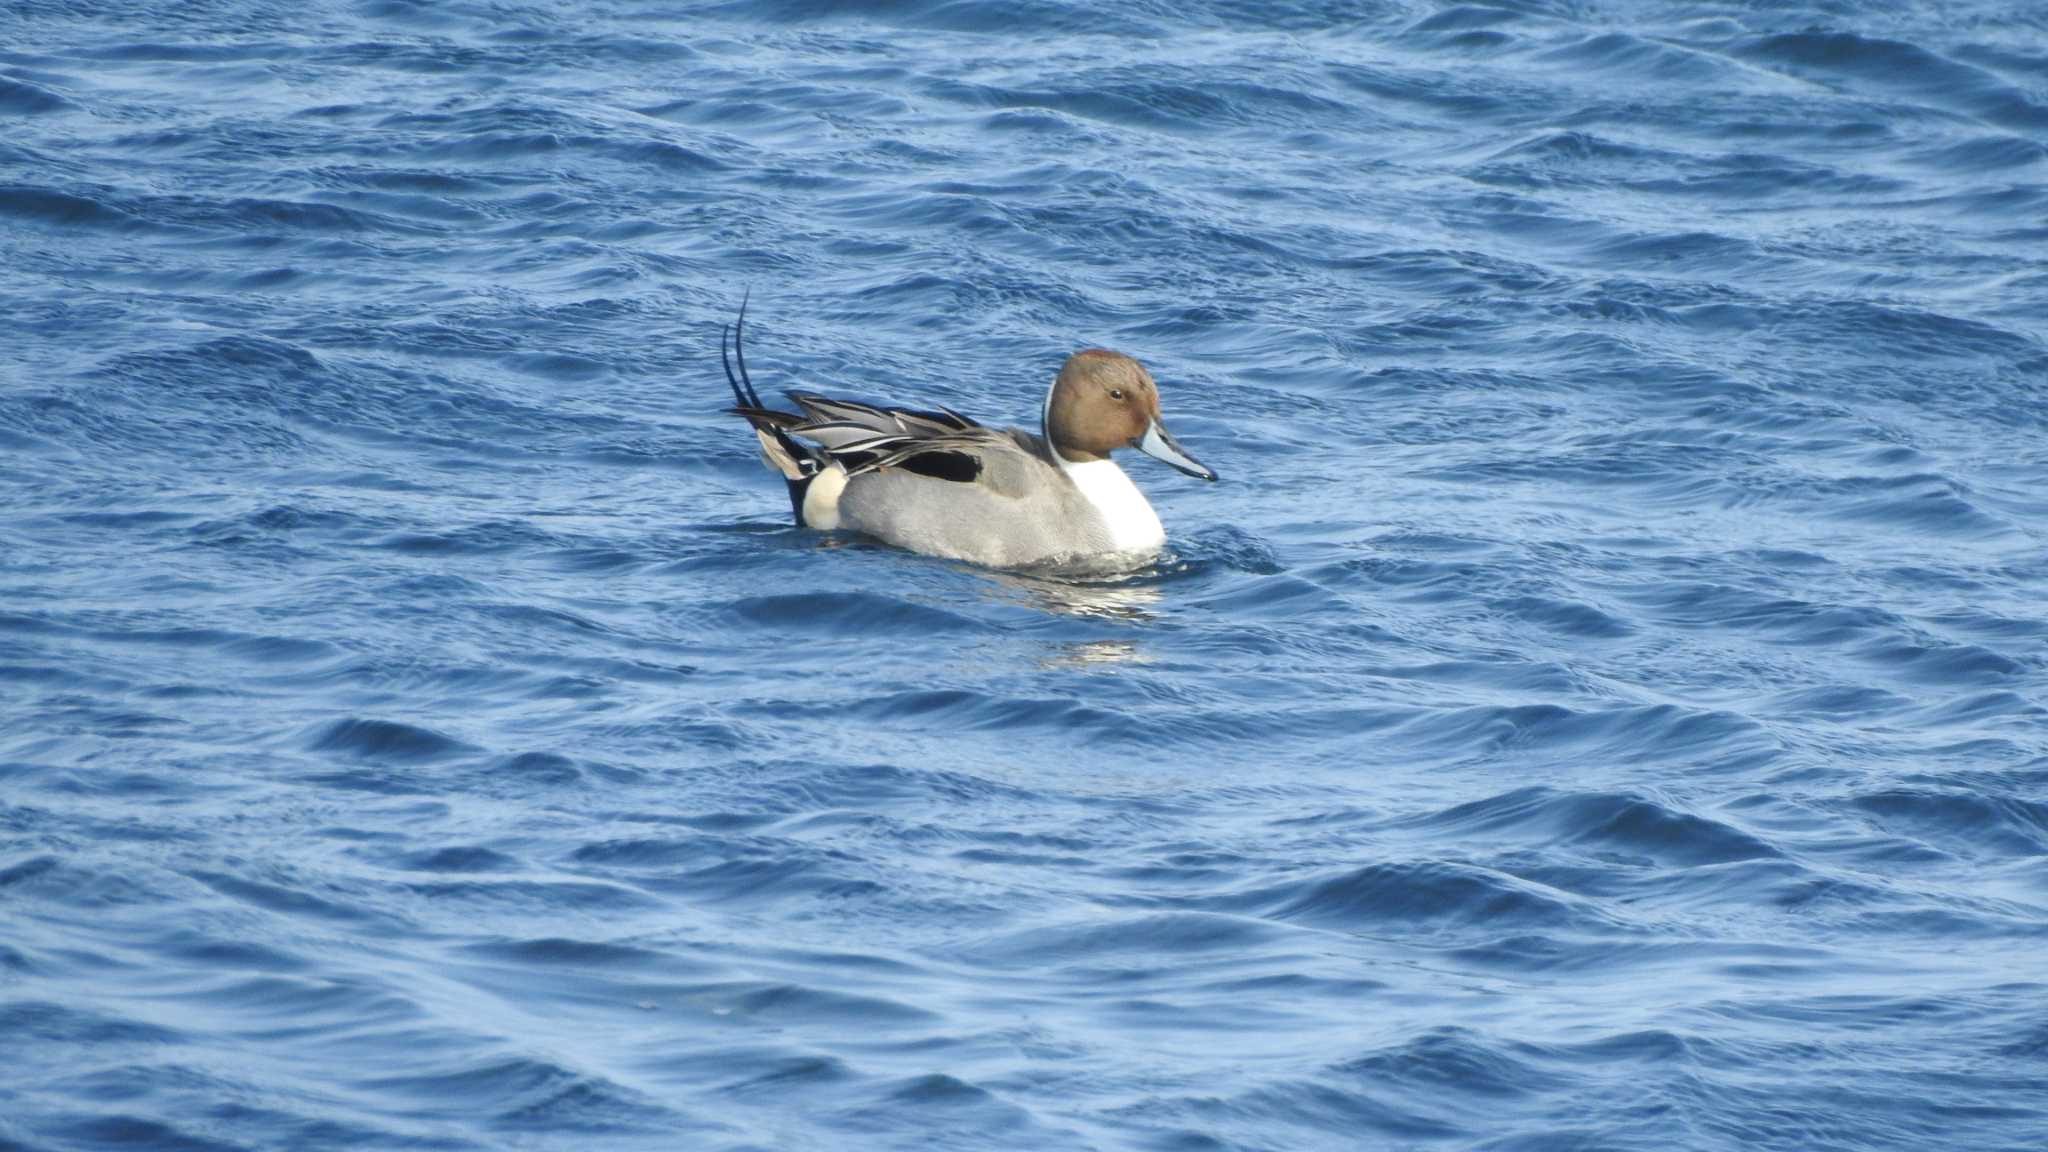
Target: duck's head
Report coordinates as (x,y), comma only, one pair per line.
(1103,401)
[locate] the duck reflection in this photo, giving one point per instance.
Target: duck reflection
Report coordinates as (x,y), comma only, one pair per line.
(1094,654)
(1122,598)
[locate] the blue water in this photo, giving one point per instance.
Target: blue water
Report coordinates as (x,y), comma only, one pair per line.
(1601,708)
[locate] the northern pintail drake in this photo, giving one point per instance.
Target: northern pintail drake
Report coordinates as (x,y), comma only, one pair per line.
(936,482)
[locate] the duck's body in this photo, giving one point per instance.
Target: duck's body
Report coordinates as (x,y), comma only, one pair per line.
(939,483)
(1021,510)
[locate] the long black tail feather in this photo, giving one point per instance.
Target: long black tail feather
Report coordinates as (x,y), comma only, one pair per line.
(763,418)
(742,384)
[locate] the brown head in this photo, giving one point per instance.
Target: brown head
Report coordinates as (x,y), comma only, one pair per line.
(1103,401)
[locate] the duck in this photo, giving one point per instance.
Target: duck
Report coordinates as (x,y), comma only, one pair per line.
(932,481)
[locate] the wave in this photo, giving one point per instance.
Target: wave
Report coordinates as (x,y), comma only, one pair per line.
(1901,67)
(1431,896)
(386,740)
(1633,826)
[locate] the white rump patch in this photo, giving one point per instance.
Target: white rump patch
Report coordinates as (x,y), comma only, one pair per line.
(821,499)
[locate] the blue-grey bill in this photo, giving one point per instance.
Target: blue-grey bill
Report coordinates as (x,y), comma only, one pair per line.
(1158,442)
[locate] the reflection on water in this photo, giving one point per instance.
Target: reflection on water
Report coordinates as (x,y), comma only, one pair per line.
(1084,654)
(1117,598)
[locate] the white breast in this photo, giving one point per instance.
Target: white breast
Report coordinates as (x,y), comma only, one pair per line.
(1133,526)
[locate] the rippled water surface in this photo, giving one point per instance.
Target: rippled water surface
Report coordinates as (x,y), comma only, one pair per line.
(1602,706)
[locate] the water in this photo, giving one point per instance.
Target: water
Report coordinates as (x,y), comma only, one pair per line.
(1601,708)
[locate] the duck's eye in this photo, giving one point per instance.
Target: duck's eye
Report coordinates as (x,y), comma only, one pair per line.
(1116,393)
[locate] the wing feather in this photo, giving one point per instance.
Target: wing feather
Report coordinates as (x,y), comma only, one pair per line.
(939,443)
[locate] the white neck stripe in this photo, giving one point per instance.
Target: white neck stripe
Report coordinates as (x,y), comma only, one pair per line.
(1045,427)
